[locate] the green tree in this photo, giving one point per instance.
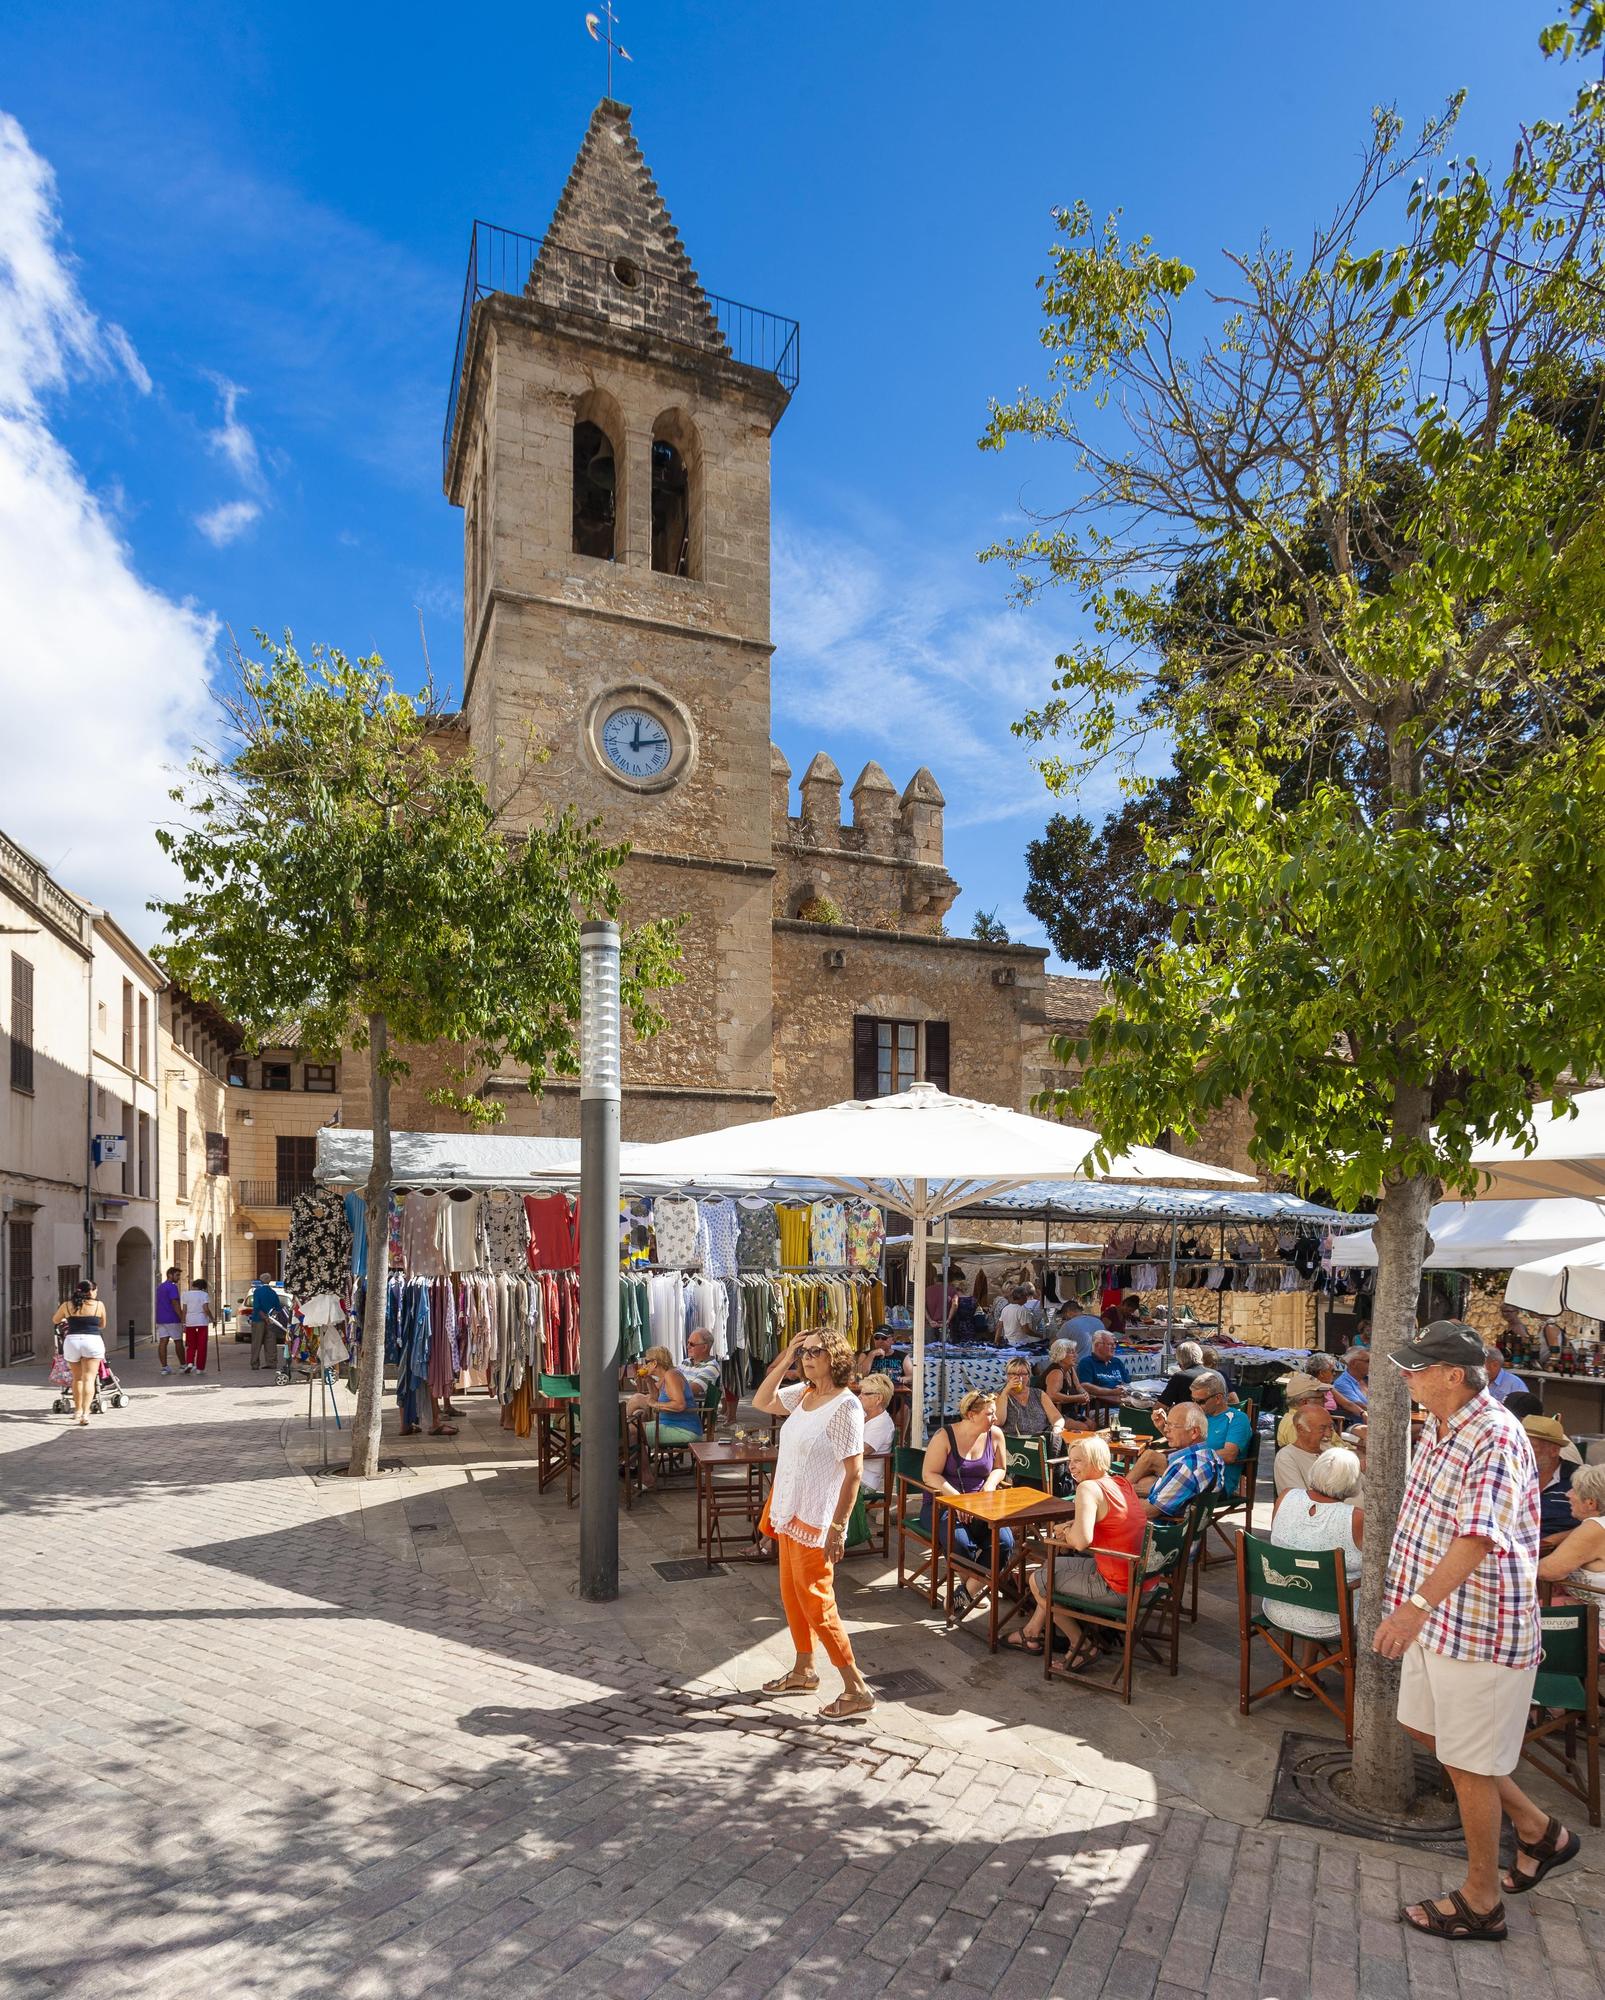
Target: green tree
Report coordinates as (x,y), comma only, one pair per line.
(1394,958)
(1090,890)
(346,873)
(986,928)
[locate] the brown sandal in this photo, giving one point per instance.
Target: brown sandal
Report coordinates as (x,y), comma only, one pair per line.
(1549,1851)
(846,1706)
(792,1683)
(1461,1925)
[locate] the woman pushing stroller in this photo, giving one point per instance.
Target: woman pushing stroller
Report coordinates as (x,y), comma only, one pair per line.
(83,1345)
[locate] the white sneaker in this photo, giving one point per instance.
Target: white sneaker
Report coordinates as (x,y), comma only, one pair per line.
(167,1371)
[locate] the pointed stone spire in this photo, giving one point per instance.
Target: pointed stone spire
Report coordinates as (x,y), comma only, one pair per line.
(779,791)
(612,250)
(874,799)
(821,790)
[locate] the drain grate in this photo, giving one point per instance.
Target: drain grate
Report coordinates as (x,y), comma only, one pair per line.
(688,1570)
(905,1686)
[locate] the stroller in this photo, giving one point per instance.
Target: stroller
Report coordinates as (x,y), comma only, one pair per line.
(106,1385)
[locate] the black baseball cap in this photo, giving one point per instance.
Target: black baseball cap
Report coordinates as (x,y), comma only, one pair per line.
(1448,1343)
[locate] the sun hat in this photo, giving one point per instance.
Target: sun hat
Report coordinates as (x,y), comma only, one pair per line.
(1298,1385)
(1446,1343)
(1553,1431)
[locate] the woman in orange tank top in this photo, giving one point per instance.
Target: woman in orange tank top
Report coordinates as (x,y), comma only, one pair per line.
(1109,1522)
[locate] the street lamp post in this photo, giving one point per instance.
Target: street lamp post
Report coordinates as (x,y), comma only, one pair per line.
(599,1275)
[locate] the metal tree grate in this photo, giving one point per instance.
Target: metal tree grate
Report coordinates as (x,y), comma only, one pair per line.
(688,1569)
(905,1686)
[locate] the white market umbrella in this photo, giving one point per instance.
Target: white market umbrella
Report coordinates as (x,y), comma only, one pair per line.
(1490,1235)
(920,1151)
(1574,1278)
(1566,1158)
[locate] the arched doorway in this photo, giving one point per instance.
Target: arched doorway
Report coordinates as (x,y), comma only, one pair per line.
(136,1294)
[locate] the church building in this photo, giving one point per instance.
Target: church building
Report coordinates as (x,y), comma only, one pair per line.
(608,440)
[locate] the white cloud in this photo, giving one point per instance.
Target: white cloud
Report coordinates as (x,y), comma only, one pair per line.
(104,678)
(226,523)
(232,440)
(913,661)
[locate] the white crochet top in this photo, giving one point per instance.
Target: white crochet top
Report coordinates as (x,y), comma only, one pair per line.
(808,1474)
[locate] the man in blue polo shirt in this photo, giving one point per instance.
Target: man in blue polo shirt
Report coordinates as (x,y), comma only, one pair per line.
(1104,1376)
(1171,1478)
(1229,1434)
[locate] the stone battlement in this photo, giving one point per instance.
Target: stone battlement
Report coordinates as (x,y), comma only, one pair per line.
(883,867)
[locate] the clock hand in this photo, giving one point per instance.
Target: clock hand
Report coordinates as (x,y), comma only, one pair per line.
(635,743)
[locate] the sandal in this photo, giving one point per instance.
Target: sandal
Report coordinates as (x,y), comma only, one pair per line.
(846,1706)
(792,1683)
(442,1430)
(1022,1642)
(1549,1851)
(1083,1656)
(1461,1925)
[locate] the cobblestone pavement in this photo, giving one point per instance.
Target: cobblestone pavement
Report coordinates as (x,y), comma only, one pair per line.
(248,1751)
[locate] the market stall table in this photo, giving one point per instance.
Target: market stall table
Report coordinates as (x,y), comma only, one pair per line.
(746,1496)
(1003,1507)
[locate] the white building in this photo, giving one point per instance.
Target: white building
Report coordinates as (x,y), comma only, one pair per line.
(78,1110)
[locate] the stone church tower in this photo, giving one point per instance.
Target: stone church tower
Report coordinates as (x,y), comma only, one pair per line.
(608,442)
(610,450)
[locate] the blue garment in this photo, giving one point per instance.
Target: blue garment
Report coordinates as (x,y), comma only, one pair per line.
(1506,1383)
(675,1423)
(1555,1516)
(1083,1330)
(1193,1471)
(357,1218)
(1231,1427)
(265,1300)
(1345,1385)
(1110,1374)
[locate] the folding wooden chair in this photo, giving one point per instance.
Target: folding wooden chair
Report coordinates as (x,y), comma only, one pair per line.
(909,1497)
(1028,1462)
(1222,1505)
(1150,1616)
(631,1448)
(555,1407)
(1564,1742)
(1314,1580)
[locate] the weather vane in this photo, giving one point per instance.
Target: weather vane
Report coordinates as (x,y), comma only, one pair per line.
(593,23)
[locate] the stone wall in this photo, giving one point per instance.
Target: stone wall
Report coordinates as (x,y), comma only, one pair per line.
(989,995)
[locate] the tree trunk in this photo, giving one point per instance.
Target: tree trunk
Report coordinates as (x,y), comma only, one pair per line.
(1383,1767)
(366,1424)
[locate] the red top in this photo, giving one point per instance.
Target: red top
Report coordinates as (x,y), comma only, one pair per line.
(554,1232)
(1123,1526)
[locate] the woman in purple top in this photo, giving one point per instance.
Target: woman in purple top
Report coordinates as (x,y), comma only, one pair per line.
(169,1319)
(969,1456)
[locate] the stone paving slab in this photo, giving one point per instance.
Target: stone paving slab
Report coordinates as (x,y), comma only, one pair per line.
(246,1749)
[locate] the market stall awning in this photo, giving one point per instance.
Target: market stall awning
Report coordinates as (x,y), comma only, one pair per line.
(1567,1156)
(1114,1202)
(1492,1235)
(474,1160)
(984,1247)
(1570,1278)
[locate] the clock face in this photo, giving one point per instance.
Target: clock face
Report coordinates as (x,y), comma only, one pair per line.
(636,744)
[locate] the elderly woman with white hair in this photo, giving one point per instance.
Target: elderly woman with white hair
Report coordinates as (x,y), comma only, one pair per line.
(1322,1516)
(1578,1563)
(1060,1380)
(1189,1366)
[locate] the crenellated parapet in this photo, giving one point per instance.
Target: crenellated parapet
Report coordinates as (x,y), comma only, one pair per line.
(882,867)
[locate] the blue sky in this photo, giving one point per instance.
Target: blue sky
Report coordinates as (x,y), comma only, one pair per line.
(232,245)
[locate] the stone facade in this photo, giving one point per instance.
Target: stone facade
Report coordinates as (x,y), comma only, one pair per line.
(578,397)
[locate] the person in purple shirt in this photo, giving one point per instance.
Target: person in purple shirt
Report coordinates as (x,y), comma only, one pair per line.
(169,1319)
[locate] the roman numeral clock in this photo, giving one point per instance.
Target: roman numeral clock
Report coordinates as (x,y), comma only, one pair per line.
(642,738)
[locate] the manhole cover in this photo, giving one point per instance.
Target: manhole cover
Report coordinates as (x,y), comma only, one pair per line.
(339,1471)
(905,1686)
(1304,1795)
(426,1527)
(688,1570)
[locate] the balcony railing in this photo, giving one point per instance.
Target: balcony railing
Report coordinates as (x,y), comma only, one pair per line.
(280,1192)
(620,293)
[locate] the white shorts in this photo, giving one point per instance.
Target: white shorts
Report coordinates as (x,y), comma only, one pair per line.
(83,1347)
(1474,1710)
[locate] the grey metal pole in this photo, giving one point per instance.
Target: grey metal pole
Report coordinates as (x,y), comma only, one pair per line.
(600,1086)
(1170,1308)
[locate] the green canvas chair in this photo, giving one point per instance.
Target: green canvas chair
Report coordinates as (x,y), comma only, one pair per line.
(1223,1506)
(1028,1462)
(1149,1617)
(554,1427)
(1563,1742)
(909,1493)
(1314,1580)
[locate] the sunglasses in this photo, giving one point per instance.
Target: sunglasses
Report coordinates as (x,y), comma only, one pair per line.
(807,1352)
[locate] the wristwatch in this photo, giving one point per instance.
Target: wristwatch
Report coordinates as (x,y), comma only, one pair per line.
(1419,1602)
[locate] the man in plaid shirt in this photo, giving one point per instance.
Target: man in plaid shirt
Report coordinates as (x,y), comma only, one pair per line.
(1462,1597)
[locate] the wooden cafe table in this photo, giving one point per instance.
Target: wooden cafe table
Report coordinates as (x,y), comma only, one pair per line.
(710,1456)
(1004,1507)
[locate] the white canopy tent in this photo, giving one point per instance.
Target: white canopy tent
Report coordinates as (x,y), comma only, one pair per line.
(1492,1235)
(1570,1278)
(920,1151)
(1566,1158)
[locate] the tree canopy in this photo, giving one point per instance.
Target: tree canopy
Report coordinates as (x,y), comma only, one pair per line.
(1357,533)
(351,887)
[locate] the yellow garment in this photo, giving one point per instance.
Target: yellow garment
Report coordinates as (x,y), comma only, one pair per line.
(794,1223)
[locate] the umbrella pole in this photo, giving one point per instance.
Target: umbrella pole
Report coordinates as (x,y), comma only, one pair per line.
(916,1274)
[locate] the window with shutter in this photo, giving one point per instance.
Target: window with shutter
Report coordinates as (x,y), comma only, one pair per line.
(936,1069)
(21,1023)
(863,1056)
(216,1153)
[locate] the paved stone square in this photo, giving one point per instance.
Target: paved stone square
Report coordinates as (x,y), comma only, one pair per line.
(267,1734)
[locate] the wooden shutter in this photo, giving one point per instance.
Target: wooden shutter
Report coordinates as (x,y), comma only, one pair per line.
(863,1055)
(936,1053)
